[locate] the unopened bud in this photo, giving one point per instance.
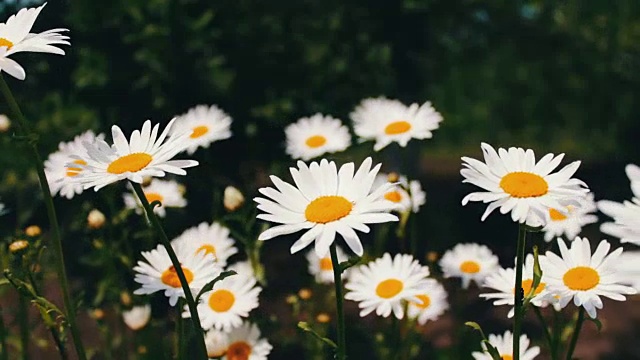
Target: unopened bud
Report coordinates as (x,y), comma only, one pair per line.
(233,198)
(142,349)
(5,123)
(305,294)
(98,314)
(323,318)
(18,246)
(33,231)
(95,219)
(432,256)
(291,299)
(393,177)
(125,298)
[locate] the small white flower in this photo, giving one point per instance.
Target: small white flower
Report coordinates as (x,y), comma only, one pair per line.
(325,202)
(469,262)
(515,183)
(245,343)
(626,215)
(504,345)
(571,221)
(204,124)
(386,121)
(96,219)
(158,274)
(385,284)
(5,123)
(404,194)
(15,37)
(207,238)
(432,304)
(317,135)
(168,193)
(582,277)
(322,268)
(137,317)
(232,198)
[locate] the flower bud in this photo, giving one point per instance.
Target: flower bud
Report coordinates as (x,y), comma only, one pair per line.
(33,231)
(233,198)
(5,123)
(18,246)
(95,219)
(305,294)
(125,298)
(137,317)
(393,177)
(98,314)
(323,318)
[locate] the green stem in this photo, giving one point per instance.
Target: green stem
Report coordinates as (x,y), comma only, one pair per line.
(576,333)
(4,355)
(341,352)
(556,333)
(519,292)
(547,333)
(164,240)
(23,318)
(69,309)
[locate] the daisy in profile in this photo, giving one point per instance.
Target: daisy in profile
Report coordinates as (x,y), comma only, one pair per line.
(204,124)
(158,274)
(216,343)
(385,284)
(231,300)
(245,343)
(629,269)
(570,221)
(582,277)
(504,345)
(137,317)
(514,182)
(502,281)
(207,238)
(15,37)
(469,262)
(145,154)
(432,304)
(387,121)
(325,202)
(317,135)
(406,195)
(322,268)
(60,175)
(626,215)
(168,193)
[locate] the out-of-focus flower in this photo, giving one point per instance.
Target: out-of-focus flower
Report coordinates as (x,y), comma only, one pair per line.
(207,238)
(628,268)
(166,192)
(245,343)
(15,37)
(384,284)
(404,194)
(216,342)
(137,317)
(324,202)
(321,267)
(626,215)
(386,121)
(232,198)
(33,231)
(317,135)
(96,219)
(5,123)
(432,304)
(204,124)
(469,262)
(323,318)
(504,345)
(515,183)
(571,222)
(18,246)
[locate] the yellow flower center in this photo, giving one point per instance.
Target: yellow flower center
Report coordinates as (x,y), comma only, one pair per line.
(389,288)
(5,42)
(199,131)
(129,163)
(326,264)
(470,267)
(208,249)
(524,185)
(397,127)
(327,209)
(73,171)
(581,278)
(151,197)
(316,141)
(528,283)
(170,276)
(221,300)
(506,357)
(393,196)
(425,301)
(239,350)
(556,215)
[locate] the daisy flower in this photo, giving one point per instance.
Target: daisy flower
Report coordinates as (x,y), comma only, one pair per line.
(322,268)
(432,304)
(145,154)
(584,277)
(406,195)
(504,345)
(167,192)
(626,215)
(158,274)
(324,202)
(384,284)
(137,317)
(503,279)
(210,239)
(245,343)
(629,270)
(60,175)
(15,37)
(386,121)
(204,124)
(313,136)
(216,343)
(469,262)
(515,182)
(231,299)
(571,221)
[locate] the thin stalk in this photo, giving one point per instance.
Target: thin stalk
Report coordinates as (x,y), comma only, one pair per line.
(341,352)
(556,332)
(69,309)
(23,319)
(164,240)
(4,355)
(576,333)
(547,333)
(518,292)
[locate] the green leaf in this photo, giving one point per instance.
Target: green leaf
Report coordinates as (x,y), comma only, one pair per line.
(304,326)
(595,321)
(490,348)
(349,263)
(211,283)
